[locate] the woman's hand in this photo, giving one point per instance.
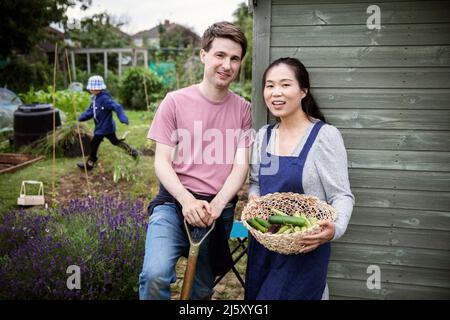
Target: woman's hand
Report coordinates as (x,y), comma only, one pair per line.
(311,242)
(252,197)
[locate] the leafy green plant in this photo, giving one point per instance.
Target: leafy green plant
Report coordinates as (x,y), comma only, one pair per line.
(132,90)
(125,169)
(123,172)
(244,91)
(71,103)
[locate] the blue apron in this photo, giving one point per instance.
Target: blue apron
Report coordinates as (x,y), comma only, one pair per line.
(274,276)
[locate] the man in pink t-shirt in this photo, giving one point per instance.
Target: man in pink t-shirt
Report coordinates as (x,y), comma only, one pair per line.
(203,137)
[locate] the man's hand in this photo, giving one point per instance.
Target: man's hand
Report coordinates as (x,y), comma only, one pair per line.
(196,212)
(311,242)
(217,207)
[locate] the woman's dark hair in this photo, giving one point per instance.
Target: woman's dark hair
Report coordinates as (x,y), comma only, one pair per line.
(309,105)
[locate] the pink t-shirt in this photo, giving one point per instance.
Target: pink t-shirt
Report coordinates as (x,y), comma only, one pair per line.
(206,135)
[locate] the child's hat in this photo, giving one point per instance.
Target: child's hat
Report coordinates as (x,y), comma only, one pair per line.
(96,83)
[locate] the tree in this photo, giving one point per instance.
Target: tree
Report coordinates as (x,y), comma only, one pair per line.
(22,22)
(98,31)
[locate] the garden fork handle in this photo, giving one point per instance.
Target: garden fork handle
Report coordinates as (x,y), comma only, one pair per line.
(189,274)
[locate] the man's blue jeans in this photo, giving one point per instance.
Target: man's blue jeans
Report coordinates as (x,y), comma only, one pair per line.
(165,242)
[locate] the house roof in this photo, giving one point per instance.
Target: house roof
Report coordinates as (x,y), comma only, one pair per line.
(150,33)
(169,27)
(52,35)
(55,32)
(121,33)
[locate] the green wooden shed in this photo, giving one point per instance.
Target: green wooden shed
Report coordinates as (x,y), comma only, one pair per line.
(387,89)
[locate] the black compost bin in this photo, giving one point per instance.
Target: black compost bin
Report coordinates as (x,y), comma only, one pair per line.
(33,121)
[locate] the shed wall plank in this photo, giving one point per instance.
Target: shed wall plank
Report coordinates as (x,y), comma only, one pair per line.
(399,160)
(399,179)
(370,235)
(350,288)
(401,218)
(356,13)
(412,140)
(402,199)
(380,77)
(359,35)
(391,274)
(369,56)
(389,119)
(411,99)
(395,255)
(296,2)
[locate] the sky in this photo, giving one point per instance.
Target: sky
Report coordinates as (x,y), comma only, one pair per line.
(145,14)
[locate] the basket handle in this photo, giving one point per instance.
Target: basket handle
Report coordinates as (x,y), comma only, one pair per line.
(31,182)
(23,189)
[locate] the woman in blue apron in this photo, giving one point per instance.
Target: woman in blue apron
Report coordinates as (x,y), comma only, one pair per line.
(274,276)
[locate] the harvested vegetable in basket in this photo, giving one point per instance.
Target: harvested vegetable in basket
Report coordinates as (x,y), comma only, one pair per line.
(296,215)
(278,212)
(256,225)
(297,221)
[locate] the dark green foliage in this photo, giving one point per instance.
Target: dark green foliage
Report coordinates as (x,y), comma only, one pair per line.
(21,76)
(244,19)
(244,91)
(132,92)
(23,21)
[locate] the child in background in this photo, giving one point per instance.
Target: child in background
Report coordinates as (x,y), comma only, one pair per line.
(101,109)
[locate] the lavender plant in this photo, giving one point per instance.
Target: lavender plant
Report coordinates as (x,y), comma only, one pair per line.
(104,237)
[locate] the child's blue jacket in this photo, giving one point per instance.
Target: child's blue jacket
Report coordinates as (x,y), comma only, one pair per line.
(101,108)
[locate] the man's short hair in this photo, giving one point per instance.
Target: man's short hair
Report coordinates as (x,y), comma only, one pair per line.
(226,30)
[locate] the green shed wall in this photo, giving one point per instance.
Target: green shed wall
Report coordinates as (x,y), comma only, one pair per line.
(388,92)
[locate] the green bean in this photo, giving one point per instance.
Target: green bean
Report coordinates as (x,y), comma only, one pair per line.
(283,229)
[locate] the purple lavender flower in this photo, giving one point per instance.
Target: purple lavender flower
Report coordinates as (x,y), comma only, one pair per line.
(103,236)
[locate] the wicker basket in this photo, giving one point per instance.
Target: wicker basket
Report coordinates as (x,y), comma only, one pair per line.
(289,203)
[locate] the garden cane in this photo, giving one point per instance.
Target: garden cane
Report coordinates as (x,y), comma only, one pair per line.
(192,262)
